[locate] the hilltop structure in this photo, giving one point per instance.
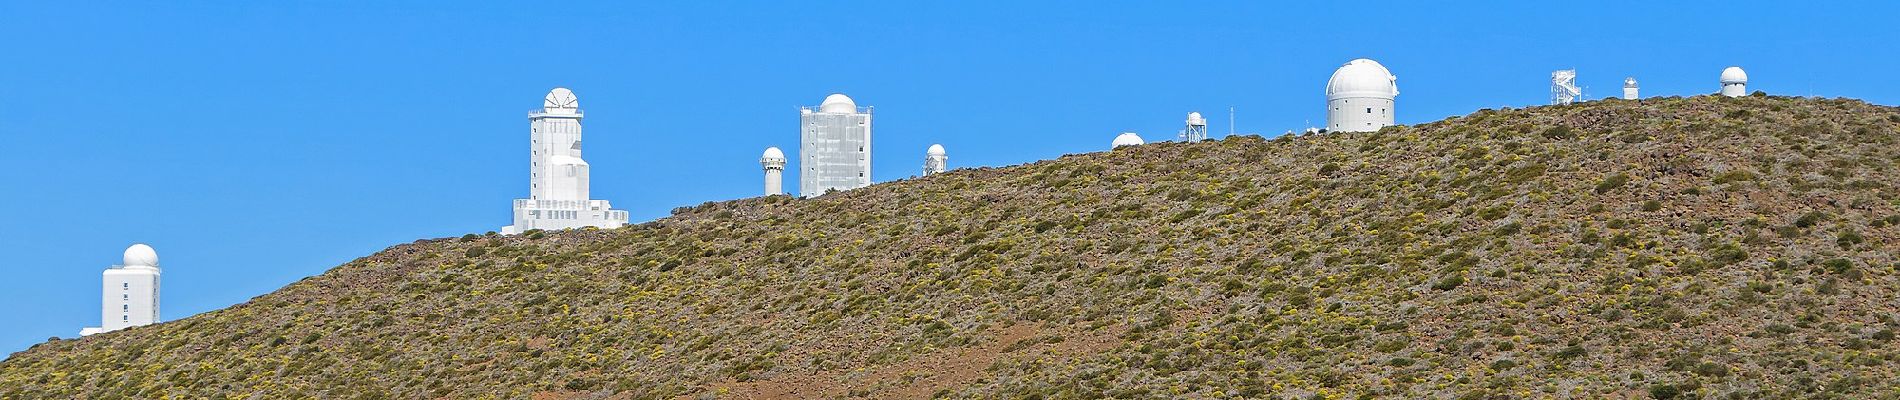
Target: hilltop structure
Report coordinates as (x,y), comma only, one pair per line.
(129,296)
(557,176)
(774,162)
(1360,97)
(1126,139)
(1734,82)
(1196,129)
(1629,88)
(1563,87)
(834,146)
(935,161)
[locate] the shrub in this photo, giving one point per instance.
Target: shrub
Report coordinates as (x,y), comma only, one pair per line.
(1612,182)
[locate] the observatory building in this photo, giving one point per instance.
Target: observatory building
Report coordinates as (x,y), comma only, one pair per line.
(1359,97)
(1196,129)
(1126,139)
(130,294)
(557,177)
(834,146)
(1629,89)
(935,160)
(1563,87)
(1734,82)
(774,163)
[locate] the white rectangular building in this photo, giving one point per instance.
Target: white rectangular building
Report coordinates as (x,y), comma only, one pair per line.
(557,176)
(834,149)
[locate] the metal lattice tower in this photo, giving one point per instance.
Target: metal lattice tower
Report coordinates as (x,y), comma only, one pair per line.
(1563,87)
(1196,129)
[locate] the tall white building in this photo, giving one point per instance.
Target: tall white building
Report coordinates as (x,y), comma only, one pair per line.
(935,160)
(1359,97)
(774,162)
(557,177)
(834,146)
(130,293)
(1734,82)
(1629,89)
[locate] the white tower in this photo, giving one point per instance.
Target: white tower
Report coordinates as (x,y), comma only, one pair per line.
(1196,128)
(834,146)
(557,177)
(1126,139)
(1629,89)
(1734,82)
(935,160)
(130,293)
(774,163)
(1563,87)
(1359,97)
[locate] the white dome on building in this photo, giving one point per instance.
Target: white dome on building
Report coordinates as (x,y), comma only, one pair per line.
(1734,75)
(560,97)
(1194,118)
(1362,78)
(140,255)
(1127,139)
(773,153)
(935,150)
(838,103)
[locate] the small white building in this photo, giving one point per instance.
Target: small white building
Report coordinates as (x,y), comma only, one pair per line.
(1734,82)
(1126,139)
(935,160)
(557,176)
(1196,129)
(774,162)
(129,296)
(1360,97)
(1629,89)
(834,147)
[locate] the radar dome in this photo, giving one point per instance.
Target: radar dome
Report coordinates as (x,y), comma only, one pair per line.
(1734,75)
(1362,78)
(560,97)
(838,103)
(935,150)
(140,255)
(1127,139)
(1194,118)
(773,153)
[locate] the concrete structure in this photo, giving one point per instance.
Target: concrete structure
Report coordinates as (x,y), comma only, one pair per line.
(1360,97)
(774,163)
(935,161)
(1734,82)
(1563,87)
(1196,129)
(834,146)
(1126,139)
(557,177)
(129,296)
(1629,89)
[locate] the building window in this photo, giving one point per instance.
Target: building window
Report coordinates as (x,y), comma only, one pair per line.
(125,318)
(128,285)
(126,307)
(1368,110)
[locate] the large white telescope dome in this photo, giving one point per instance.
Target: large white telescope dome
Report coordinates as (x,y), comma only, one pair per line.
(140,255)
(838,103)
(935,150)
(1362,78)
(560,97)
(1734,75)
(1127,139)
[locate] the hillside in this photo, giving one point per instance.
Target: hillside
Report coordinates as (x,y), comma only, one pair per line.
(1699,247)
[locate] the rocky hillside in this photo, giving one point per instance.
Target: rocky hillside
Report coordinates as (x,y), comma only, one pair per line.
(1698,247)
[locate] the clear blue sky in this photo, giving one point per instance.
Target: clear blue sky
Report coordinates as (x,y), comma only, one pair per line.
(256,143)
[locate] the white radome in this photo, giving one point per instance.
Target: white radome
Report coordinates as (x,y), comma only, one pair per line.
(935,150)
(773,153)
(140,255)
(838,103)
(1194,118)
(560,97)
(1362,78)
(1127,139)
(1734,75)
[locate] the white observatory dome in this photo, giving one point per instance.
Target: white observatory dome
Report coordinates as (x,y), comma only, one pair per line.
(935,150)
(838,103)
(773,153)
(1127,139)
(1194,118)
(560,97)
(140,255)
(1362,78)
(1734,75)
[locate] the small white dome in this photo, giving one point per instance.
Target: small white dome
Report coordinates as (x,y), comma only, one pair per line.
(560,97)
(140,255)
(1629,82)
(838,103)
(1362,78)
(1194,118)
(1127,139)
(935,150)
(773,153)
(1734,75)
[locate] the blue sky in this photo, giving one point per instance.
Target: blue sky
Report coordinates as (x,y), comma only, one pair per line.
(257,143)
